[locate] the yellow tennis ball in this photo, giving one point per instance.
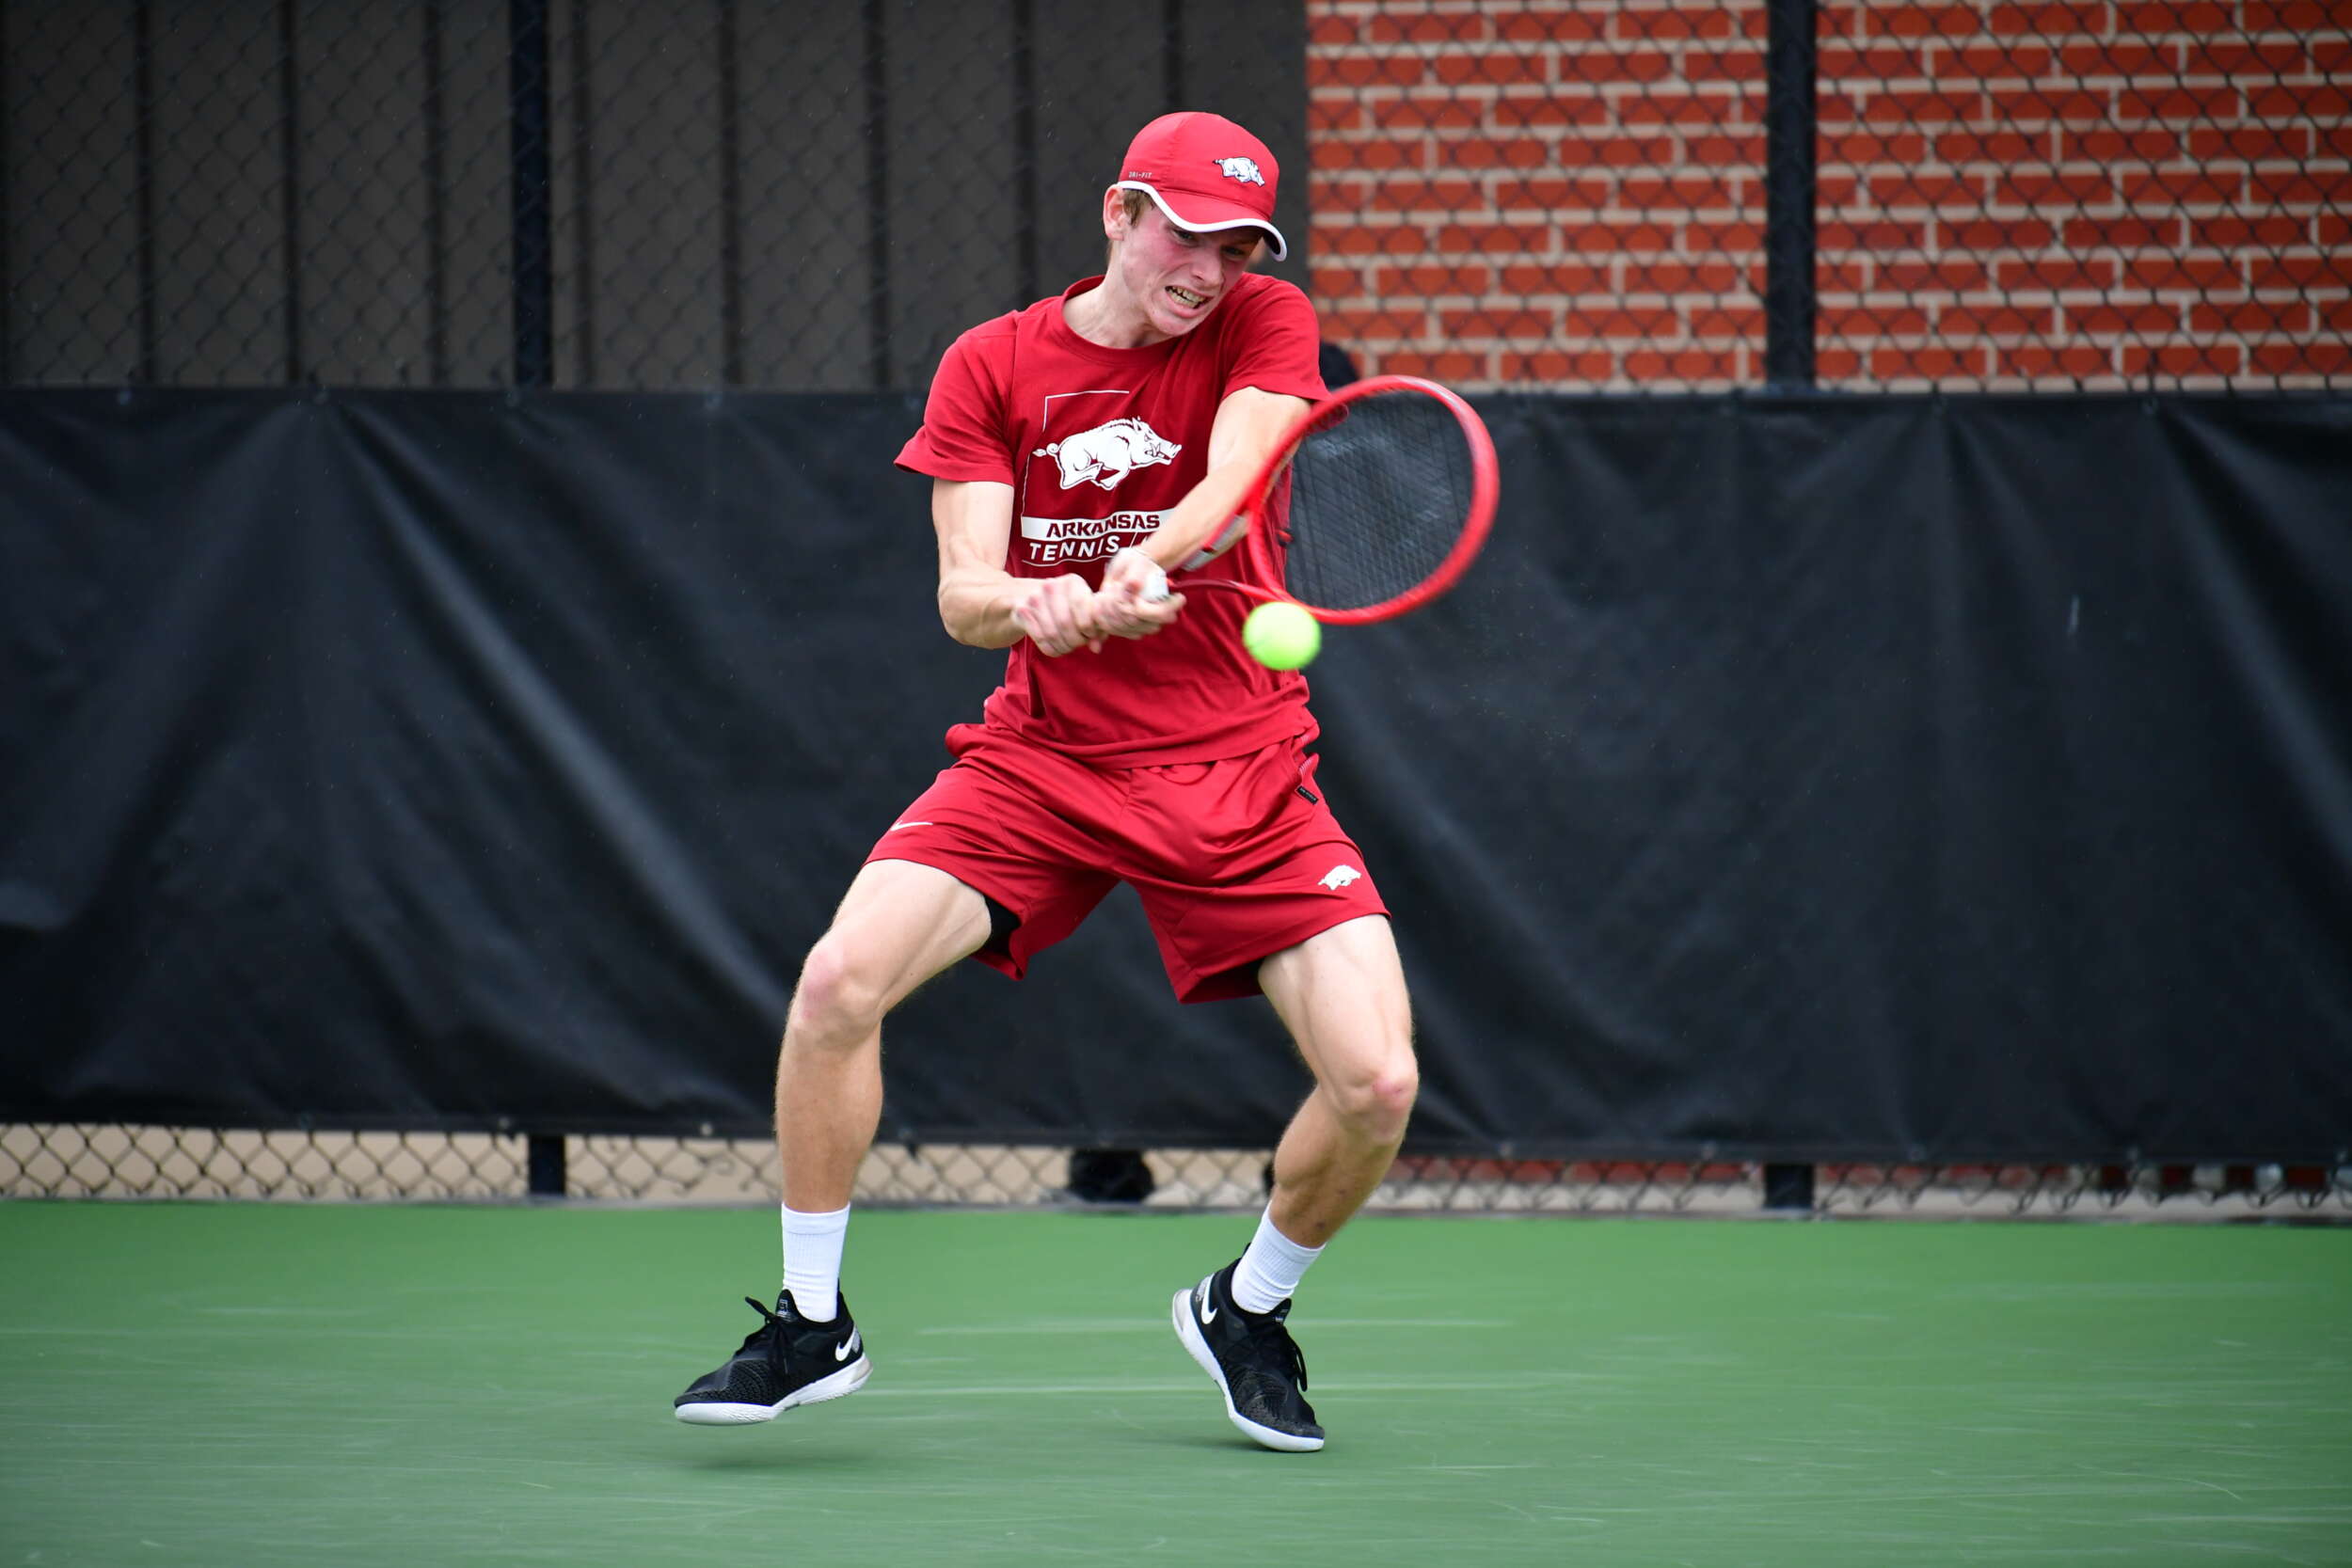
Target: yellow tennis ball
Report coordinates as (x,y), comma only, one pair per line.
(1281,635)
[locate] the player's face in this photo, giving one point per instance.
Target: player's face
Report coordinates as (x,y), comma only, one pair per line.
(1174,276)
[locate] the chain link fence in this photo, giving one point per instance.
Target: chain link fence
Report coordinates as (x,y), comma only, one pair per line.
(74,1161)
(1618,195)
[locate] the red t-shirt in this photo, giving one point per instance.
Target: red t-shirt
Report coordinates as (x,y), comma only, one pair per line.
(1099,444)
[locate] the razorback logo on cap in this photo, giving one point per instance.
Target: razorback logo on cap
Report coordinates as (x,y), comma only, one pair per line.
(1245,169)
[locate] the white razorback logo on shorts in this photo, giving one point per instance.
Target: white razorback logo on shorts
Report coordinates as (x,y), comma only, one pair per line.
(1243,169)
(1339,877)
(1109,452)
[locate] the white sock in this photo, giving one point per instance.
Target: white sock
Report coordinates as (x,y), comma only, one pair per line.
(1268,1273)
(812,1262)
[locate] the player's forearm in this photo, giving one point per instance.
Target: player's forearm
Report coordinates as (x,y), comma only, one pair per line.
(1201,517)
(975,606)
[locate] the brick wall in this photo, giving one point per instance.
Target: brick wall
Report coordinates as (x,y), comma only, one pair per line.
(2052,195)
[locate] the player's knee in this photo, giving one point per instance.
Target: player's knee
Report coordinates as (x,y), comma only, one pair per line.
(1380,1102)
(835,1005)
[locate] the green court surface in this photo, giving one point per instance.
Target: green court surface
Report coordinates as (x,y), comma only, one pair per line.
(259,1384)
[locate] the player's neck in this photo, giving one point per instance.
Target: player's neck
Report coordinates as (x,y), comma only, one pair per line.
(1106,317)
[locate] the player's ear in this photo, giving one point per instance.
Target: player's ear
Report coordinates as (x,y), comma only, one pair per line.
(1114,214)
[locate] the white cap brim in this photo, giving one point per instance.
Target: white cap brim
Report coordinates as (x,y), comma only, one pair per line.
(1281,249)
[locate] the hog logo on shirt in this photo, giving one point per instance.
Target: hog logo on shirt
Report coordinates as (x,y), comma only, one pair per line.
(1109,452)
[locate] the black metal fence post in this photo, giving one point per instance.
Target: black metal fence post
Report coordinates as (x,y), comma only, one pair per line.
(534,268)
(543,1160)
(1789,122)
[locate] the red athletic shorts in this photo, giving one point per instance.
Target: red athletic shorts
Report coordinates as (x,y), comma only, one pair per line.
(1234,860)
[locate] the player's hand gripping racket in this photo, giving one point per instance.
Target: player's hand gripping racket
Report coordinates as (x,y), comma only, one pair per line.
(1381,497)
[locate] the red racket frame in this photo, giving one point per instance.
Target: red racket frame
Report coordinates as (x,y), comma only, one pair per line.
(1486,484)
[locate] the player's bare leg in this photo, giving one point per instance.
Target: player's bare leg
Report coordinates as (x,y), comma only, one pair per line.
(1342,994)
(899,924)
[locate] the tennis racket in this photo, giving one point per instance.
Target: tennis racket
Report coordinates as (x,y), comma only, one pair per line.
(1380,498)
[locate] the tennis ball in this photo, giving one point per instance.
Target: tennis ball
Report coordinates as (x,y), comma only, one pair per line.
(1281,635)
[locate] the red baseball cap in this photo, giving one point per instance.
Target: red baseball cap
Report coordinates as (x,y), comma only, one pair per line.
(1205,173)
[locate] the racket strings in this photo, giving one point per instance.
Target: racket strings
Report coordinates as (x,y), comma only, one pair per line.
(1379,494)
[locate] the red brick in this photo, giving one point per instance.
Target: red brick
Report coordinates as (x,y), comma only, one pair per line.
(1874,146)
(1384,154)
(1326,114)
(1913,21)
(1492,238)
(1419,113)
(1429,197)
(1605,67)
(1745,150)
(2135,103)
(1399,325)
(1683,21)
(1881,235)
(2005,320)
(1687,192)
(1726,65)
(1498,69)
(1587,365)
(1714,239)
(1452,366)
(1623,322)
(2057,272)
(1560,108)
(2205,16)
(1993,62)
(1870,320)
(2121,56)
(1918,189)
(2199,271)
(1928,361)
(1601,238)
(2039,361)
(1563,27)
(1835,191)
(1499,323)
(2047,21)
(1717,321)
(1840,63)
(2331,229)
(2327,101)
(2020,105)
(2211,185)
(2105,144)
(2295,16)
(1583,193)
(2324,357)
(1337,283)
(1993,146)
(1330,29)
(2300,270)
(1610,151)
(1959,273)
(1495,152)
(1423,281)
(2252,318)
(1353,239)
(1355,70)
(2184,359)
(2000,234)
(1680,365)
(1830,278)
(2299,186)
(1669,276)
(2241,56)
(1685,108)
(2228,231)
(1835,364)
(2253,141)
(2039,187)
(2109,316)
(2131,232)
(1908,106)
(1555,277)
(1388,28)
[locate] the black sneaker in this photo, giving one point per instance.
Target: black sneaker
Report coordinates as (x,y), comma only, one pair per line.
(1254,1360)
(787,1361)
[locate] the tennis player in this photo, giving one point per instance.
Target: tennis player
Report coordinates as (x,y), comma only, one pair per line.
(1079,450)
